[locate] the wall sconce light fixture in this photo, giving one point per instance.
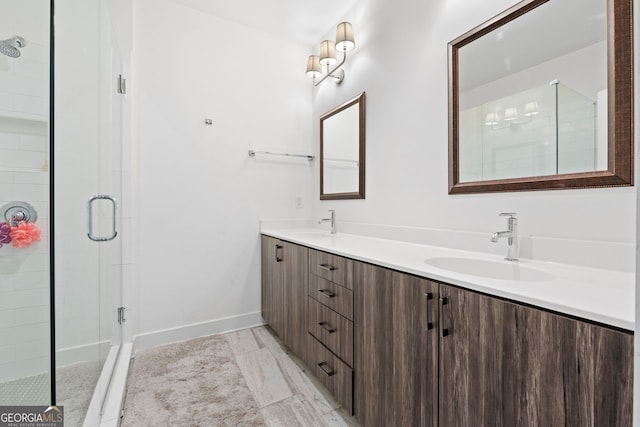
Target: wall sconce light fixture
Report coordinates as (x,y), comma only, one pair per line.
(511,116)
(320,66)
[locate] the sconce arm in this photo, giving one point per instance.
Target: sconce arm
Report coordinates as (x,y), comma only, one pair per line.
(339,77)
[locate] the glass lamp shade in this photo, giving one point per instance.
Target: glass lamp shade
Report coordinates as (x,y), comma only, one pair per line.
(327,52)
(491,119)
(511,113)
(313,67)
(531,108)
(344,37)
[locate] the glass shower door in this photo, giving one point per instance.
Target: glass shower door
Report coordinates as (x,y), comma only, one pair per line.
(87,192)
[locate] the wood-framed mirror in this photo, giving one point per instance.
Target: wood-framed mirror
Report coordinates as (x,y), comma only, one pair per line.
(541,98)
(342,151)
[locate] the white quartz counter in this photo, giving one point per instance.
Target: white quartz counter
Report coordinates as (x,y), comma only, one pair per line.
(603,296)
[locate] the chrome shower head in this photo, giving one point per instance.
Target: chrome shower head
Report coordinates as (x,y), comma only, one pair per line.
(10,46)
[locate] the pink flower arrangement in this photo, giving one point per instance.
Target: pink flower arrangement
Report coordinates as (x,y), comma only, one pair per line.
(24,234)
(5,229)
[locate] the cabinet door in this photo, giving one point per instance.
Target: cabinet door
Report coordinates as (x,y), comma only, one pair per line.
(504,364)
(396,348)
(272,290)
(295,277)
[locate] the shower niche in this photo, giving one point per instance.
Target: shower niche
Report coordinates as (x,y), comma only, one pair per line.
(546,130)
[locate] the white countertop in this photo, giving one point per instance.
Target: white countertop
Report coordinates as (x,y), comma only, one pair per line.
(604,296)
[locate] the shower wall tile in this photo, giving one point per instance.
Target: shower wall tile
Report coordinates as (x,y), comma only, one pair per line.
(28,333)
(9,141)
(32,279)
(31,104)
(31,315)
(6,101)
(6,282)
(32,350)
(7,354)
(6,178)
(23,299)
(36,178)
(22,159)
(33,143)
(6,318)
(24,273)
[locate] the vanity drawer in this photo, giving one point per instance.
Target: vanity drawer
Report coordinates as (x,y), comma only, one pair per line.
(331,267)
(336,297)
(334,374)
(332,330)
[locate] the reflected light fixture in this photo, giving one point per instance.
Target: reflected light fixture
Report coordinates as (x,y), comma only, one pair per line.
(531,108)
(511,113)
(491,119)
(320,66)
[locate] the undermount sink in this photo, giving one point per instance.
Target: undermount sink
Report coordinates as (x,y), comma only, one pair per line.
(507,270)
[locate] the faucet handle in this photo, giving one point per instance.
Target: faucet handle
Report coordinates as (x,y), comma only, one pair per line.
(509,214)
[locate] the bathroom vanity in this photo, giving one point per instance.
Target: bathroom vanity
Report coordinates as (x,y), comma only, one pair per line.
(401,341)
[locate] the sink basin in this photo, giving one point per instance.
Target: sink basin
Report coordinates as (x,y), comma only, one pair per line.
(507,270)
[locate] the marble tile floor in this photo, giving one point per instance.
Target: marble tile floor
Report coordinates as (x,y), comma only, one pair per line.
(283,392)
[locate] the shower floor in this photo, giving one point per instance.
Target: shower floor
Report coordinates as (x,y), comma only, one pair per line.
(26,391)
(75,386)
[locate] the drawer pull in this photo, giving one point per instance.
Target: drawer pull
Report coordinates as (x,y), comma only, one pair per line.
(326,267)
(327,293)
(429,296)
(326,369)
(279,257)
(443,331)
(326,327)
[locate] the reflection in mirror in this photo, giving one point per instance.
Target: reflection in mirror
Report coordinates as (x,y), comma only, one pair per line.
(342,150)
(541,98)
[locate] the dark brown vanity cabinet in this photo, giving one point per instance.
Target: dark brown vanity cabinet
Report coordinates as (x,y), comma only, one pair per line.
(401,350)
(285,275)
(330,324)
(429,354)
(504,363)
(396,348)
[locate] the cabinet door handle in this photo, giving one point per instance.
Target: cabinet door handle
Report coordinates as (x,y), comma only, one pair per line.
(429,296)
(279,258)
(326,369)
(326,267)
(326,293)
(443,331)
(326,327)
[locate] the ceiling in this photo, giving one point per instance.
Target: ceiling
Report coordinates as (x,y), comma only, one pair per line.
(303,21)
(549,31)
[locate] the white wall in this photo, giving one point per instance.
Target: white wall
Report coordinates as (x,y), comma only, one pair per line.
(198,196)
(401,62)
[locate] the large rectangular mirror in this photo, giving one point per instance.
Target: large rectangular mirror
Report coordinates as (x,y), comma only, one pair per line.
(541,97)
(342,151)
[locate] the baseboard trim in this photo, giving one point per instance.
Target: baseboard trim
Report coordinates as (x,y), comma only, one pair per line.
(197,330)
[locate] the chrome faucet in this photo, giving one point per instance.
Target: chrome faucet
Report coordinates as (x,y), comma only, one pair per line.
(511,234)
(332,219)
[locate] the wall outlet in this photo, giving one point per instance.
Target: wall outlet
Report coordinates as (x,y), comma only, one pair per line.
(298,202)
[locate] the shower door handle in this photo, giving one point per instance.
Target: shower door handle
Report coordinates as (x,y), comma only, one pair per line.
(114,231)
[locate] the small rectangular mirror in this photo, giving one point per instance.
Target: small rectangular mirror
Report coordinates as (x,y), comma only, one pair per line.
(342,151)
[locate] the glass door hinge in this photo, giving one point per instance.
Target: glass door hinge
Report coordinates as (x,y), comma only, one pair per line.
(121,318)
(122,84)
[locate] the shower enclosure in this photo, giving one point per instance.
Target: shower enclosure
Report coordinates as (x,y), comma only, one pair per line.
(60,145)
(546,130)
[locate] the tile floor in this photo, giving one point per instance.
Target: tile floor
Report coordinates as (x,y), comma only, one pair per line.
(284,392)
